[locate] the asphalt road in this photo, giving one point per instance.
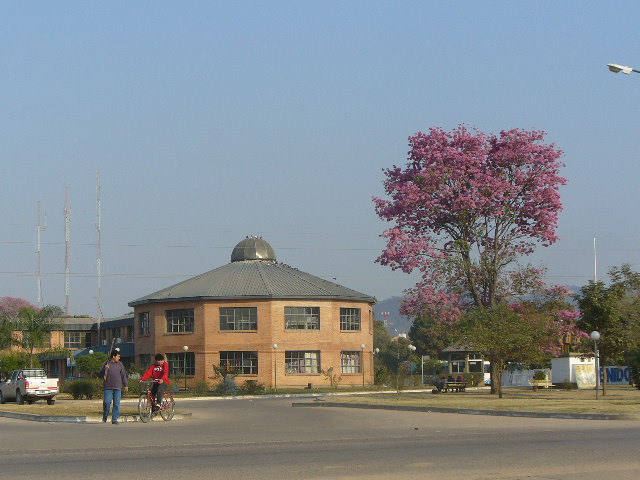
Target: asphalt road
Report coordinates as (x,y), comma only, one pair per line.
(268,439)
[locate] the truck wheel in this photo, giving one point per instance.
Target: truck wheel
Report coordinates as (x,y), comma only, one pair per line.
(19,398)
(51,401)
(2,400)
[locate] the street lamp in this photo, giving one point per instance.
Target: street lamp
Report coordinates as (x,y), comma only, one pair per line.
(275,368)
(186,349)
(595,336)
(615,68)
(412,349)
(362,362)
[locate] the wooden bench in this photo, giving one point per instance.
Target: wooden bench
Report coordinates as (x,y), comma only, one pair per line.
(455,387)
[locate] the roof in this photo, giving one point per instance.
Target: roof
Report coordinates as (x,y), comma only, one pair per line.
(254,279)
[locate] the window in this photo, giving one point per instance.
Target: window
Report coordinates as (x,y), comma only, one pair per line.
(302,318)
(302,362)
(349,319)
(245,363)
(74,339)
(350,362)
(143,322)
(457,366)
(238,318)
(177,363)
(145,359)
(180,321)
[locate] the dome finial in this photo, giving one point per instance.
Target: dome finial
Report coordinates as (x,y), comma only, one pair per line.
(253,248)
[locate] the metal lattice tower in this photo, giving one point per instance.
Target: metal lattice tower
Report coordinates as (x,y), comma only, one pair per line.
(98,255)
(67,243)
(40,228)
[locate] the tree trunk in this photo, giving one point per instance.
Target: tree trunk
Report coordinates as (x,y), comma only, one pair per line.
(492,372)
(499,380)
(604,380)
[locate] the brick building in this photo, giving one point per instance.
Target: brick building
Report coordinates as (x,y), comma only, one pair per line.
(268,321)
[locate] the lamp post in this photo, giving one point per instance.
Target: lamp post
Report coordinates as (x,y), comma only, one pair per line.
(595,336)
(412,349)
(362,362)
(615,68)
(186,349)
(275,367)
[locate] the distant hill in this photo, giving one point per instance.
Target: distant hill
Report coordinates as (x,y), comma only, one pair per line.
(395,320)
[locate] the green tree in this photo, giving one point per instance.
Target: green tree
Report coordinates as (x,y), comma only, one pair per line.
(6,333)
(430,336)
(36,326)
(614,311)
(381,336)
(92,364)
(502,335)
(10,361)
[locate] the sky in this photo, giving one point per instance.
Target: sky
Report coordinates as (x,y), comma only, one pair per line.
(210,121)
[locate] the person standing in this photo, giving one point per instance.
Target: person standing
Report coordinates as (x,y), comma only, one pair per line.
(115,380)
(159,371)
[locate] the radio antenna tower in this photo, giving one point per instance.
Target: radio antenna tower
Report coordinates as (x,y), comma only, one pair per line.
(67,243)
(40,228)
(385,319)
(98,254)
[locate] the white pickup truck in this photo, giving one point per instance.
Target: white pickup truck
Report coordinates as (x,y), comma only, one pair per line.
(29,384)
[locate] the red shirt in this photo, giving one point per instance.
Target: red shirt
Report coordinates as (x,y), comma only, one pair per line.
(158,372)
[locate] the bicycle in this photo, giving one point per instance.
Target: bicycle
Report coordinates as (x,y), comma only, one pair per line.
(147,400)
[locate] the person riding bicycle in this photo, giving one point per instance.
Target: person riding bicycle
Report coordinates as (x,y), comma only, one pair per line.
(159,371)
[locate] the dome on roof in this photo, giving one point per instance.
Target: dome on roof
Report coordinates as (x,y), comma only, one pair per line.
(253,248)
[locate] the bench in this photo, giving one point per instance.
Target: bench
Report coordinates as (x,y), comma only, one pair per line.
(455,387)
(536,384)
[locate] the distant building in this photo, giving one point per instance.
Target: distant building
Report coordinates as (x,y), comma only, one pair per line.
(262,319)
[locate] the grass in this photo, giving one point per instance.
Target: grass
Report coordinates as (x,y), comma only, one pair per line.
(619,400)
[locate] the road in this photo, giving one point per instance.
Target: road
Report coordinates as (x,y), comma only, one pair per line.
(268,439)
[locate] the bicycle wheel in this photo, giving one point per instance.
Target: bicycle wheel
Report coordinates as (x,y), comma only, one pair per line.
(168,407)
(144,408)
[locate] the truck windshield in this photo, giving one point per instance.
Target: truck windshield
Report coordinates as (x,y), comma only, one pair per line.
(34,372)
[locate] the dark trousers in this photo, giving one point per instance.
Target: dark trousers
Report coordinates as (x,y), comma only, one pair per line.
(158,391)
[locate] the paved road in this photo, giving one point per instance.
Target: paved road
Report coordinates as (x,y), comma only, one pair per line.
(268,439)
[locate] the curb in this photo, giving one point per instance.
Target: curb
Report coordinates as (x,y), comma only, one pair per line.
(80,419)
(466,411)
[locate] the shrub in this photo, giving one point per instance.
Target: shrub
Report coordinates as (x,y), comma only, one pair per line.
(227,387)
(252,387)
(201,388)
(568,386)
(134,386)
(539,375)
(85,388)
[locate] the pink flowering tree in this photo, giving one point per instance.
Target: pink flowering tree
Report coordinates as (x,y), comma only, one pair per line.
(9,313)
(465,210)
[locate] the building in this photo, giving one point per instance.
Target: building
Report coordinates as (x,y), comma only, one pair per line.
(81,335)
(265,320)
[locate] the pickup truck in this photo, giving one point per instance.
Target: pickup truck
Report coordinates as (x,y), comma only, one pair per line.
(29,384)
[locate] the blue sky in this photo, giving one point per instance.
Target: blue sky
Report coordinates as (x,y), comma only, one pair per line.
(210,121)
